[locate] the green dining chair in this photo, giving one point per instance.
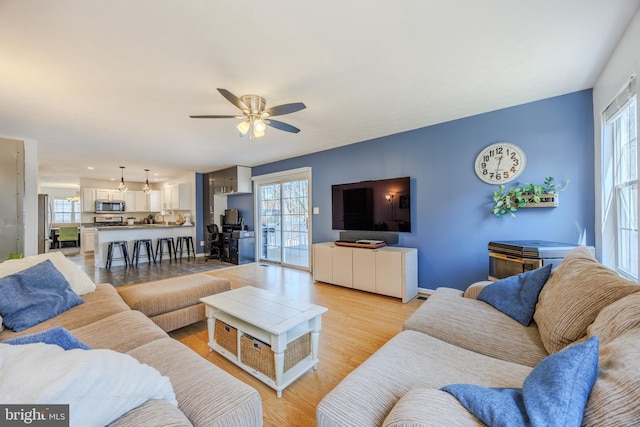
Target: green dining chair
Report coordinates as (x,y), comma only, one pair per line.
(68,234)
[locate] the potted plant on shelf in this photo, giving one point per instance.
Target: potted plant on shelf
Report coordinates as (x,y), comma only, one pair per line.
(529,195)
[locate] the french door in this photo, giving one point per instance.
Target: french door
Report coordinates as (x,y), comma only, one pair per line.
(282,217)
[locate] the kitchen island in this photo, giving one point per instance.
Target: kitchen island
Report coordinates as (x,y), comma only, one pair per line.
(130,233)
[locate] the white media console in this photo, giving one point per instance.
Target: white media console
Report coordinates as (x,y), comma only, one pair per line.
(389,270)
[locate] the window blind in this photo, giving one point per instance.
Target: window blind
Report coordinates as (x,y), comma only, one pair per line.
(622,98)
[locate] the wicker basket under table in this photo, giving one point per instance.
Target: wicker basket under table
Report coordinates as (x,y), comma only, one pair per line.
(226,336)
(259,356)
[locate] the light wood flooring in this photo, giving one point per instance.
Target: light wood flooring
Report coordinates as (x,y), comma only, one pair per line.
(356,325)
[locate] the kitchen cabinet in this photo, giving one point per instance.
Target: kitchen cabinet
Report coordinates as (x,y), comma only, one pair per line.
(154,201)
(88,201)
(87,239)
(390,270)
(232,180)
(177,197)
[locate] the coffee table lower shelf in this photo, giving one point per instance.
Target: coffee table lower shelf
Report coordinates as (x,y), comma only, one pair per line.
(277,370)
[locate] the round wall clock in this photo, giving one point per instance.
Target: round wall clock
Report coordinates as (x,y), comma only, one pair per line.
(500,163)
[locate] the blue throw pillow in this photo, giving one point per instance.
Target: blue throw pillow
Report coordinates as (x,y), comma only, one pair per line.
(34,295)
(517,296)
(57,335)
(555,393)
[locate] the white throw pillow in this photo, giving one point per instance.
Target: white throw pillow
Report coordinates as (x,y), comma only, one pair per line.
(1,324)
(79,281)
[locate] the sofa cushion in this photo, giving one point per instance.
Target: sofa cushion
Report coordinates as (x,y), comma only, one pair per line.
(574,295)
(450,317)
(195,380)
(57,336)
(409,360)
(153,413)
(34,295)
(107,332)
(615,398)
(554,393)
(99,304)
(78,279)
(430,407)
(517,296)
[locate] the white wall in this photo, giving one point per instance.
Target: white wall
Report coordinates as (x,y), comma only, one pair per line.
(621,65)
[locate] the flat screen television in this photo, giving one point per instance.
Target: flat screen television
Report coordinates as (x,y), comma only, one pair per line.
(379,205)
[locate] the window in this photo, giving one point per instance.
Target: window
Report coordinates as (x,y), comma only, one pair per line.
(620,182)
(66,211)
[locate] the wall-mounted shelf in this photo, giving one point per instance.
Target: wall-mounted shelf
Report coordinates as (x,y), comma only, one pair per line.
(546,201)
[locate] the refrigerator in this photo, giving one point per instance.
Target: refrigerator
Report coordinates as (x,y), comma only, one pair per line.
(45,217)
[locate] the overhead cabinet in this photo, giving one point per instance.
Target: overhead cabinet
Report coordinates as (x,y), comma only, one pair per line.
(177,197)
(389,270)
(232,180)
(135,201)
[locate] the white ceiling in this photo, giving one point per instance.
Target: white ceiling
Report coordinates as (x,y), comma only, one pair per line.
(112,83)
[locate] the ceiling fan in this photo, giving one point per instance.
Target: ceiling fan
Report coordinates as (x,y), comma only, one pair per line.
(258,117)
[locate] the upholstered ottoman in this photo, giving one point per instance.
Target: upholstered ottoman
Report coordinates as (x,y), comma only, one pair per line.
(173,303)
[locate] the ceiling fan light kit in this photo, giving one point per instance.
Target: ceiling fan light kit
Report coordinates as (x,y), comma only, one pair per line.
(253,108)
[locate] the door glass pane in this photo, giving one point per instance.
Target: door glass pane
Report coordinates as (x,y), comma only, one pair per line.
(269,204)
(295,218)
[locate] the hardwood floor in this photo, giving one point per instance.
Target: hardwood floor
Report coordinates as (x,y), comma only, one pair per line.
(356,325)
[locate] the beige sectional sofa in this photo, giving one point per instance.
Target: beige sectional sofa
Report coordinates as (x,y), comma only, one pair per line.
(455,338)
(206,395)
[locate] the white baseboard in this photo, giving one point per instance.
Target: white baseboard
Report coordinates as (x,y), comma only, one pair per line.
(425,291)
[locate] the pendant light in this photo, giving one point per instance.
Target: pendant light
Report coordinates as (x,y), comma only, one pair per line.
(147,187)
(122,188)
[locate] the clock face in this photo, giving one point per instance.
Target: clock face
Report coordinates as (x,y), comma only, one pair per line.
(500,163)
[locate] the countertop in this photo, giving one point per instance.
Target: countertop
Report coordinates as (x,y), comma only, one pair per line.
(141,226)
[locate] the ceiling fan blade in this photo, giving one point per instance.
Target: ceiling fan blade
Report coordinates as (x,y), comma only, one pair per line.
(282,126)
(279,110)
(233,99)
(214,117)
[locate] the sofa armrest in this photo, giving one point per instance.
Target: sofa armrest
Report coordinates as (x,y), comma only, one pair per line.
(474,289)
(430,407)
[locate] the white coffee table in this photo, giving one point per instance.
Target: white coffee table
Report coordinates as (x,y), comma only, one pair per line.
(270,318)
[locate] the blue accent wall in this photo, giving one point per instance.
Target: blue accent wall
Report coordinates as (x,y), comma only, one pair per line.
(450,206)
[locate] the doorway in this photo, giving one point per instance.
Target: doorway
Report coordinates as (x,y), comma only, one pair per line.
(283,223)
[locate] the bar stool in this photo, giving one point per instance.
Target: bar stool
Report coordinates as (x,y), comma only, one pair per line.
(160,247)
(138,245)
(188,240)
(124,249)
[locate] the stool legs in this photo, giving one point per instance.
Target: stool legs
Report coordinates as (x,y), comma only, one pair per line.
(137,246)
(160,248)
(124,249)
(188,240)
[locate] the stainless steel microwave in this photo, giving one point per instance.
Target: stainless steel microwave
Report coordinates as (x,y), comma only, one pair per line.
(109,206)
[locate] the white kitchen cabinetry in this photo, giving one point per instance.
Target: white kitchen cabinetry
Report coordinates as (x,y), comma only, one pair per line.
(87,239)
(103,194)
(88,200)
(154,201)
(177,196)
(389,270)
